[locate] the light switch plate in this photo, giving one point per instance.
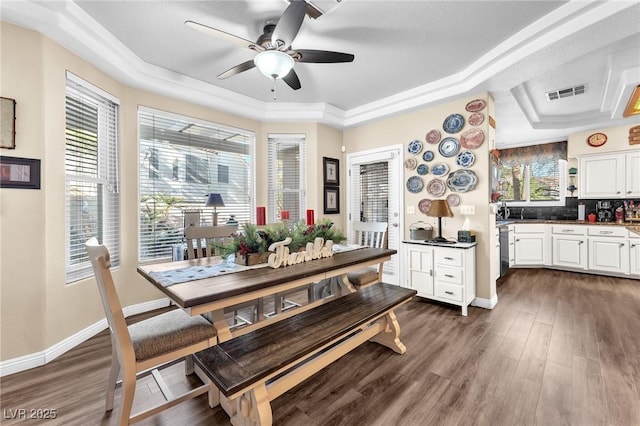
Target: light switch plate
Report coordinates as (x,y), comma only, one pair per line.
(469,210)
(411,209)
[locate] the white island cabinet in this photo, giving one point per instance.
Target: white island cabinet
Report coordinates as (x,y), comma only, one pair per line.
(443,272)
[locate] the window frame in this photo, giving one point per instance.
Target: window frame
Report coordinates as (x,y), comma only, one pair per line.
(562,183)
(292,138)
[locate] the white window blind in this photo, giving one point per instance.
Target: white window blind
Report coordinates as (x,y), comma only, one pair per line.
(182,160)
(287,179)
(91,166)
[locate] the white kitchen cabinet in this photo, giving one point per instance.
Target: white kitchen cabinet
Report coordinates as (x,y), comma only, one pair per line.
(446,274)
(569,246)
(608,249)
(530,245)
(634,256)
(613,175)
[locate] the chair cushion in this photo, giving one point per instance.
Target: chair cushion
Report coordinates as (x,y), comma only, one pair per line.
(363,277)
(167,332)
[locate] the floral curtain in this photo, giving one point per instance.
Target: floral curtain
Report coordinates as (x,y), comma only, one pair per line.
(529,154)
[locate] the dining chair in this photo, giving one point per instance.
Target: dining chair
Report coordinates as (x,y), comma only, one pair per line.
(201,242)
(147,345)
(370,234)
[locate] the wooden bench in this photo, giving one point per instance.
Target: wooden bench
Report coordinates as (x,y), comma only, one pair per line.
(253,369)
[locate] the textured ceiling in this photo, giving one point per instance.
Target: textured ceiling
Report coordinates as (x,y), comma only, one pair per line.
(408,54)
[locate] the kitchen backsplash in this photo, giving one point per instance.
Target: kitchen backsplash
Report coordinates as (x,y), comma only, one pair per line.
(567,212)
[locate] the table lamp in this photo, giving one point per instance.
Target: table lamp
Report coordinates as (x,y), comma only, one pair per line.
(215,201)
(439,209)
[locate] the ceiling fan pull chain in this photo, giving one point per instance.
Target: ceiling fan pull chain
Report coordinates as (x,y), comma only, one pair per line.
(273,88)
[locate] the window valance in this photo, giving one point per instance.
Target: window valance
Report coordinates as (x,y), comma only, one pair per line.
(533,153)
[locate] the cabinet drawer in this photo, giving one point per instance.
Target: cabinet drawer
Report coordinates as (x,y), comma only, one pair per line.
(529,228)
(449,291)
(450,275)
(608,231)
(448,257)
(569,229)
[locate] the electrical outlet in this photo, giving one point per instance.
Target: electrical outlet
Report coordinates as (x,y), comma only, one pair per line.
(411,209)
(469,210)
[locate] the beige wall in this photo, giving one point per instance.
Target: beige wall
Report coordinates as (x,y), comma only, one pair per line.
(405,128)
(617,140)
(37,308)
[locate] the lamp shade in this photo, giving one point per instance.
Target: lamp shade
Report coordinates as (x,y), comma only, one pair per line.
(273,63)
(439,208)
(214,200)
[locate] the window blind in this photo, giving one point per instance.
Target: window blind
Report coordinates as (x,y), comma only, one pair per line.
(181,161)
(91,169)
(287,180)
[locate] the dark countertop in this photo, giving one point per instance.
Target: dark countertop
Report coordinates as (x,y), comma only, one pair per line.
(630,226)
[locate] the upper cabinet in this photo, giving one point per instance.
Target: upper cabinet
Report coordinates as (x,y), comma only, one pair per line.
(613,175)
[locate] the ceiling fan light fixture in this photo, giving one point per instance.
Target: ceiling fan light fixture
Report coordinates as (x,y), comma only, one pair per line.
(273,63)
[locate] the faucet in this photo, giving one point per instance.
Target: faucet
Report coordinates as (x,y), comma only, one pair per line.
(522,213)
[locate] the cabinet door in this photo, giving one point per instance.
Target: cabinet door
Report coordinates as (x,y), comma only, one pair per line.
(633,174)
(634,257)
(420,271)
(609,255)
(529,249)
(602,176)
(569,251)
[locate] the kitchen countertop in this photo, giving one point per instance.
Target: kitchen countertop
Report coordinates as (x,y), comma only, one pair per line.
(630,226)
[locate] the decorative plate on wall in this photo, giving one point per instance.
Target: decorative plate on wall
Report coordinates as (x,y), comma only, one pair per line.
(424,205)
(439,169)
(449,147)
(472,138)
(476,119)
(475,105)
(427,155)
(423,169)
(415,147)
(415,184)
(465,159)
(436,187)
(410,163)
(453,123)
(433,136)
(453,200)
(462,180)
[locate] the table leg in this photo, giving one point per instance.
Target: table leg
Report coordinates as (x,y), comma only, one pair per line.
(390,337)
(221,325)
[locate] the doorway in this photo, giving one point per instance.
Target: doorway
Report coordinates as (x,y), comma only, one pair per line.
(374,194)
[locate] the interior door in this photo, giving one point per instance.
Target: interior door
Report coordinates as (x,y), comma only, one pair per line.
(374,194)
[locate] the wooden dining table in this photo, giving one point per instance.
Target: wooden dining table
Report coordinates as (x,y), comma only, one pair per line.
(212,295)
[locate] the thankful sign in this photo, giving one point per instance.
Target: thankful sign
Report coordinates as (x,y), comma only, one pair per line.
(281,256)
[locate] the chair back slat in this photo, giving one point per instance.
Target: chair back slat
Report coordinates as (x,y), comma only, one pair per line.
(371,234)
(201,239)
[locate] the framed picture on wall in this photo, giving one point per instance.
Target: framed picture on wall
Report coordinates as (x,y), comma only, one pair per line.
(331,171)
(16,172)
(331,200)
(7,123)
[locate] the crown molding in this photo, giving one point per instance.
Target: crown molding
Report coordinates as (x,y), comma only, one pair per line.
(67,24)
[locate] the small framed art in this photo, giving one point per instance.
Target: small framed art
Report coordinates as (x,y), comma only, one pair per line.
(7,123)
(331,171)
(16,172)
(331,200)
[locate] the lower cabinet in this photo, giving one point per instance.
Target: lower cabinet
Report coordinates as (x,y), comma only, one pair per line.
(608,255)
(634,257)
(443,273)
(569,247)
(530,245)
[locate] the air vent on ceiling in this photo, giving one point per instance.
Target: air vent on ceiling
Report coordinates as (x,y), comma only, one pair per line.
(565,93)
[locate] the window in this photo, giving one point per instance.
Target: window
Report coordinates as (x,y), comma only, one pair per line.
(91,169)
(194,159)
(533,175)
(287,181)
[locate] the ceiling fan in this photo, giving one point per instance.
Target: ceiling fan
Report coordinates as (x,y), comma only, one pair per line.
(275,58)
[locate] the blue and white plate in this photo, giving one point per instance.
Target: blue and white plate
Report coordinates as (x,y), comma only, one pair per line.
(427,155)
(415,184)
(415,146)
(453,123)
(439,169)
(462,180)
(449,147)
(466,159)
(423,169)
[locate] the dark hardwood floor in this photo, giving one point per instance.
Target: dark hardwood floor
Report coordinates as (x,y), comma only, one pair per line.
(559,348)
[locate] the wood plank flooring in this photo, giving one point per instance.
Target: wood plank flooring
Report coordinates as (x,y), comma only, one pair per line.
(559,349)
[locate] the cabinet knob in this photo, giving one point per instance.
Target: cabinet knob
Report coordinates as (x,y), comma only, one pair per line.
(621,244)
(581,242)
(617,192)
(449,292)
(448,258)
(633,245)
(448,276)
(517,239)
(628,192)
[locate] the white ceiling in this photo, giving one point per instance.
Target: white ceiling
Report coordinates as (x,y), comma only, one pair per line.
(408,55)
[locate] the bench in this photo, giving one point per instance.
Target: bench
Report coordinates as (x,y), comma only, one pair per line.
(253,369)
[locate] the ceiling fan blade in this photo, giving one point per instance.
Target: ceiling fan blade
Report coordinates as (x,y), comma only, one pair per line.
(238,69)
(313,11)
(224,35)
(292,80)
(289,24)
(321,56)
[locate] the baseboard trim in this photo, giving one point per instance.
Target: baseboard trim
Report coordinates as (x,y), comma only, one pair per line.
(485,303)
(26,362)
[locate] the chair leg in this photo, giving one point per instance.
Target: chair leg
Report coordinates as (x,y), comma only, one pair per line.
(188,365)
(112,381)
(128,392)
